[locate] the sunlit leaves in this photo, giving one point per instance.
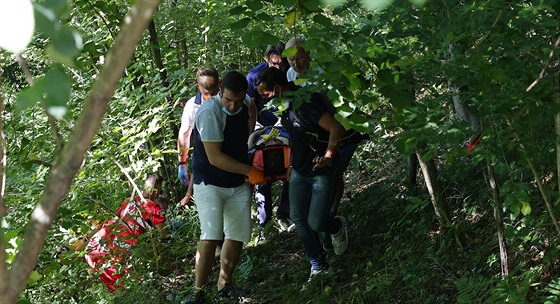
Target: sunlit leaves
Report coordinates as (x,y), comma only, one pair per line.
(65,41)
(17,24)
(334,3)
(291,18)
(57,89)
(54,87)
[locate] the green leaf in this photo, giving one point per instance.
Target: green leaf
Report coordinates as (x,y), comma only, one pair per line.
(311,5)
(254,5)
(333,3)
(515,210)
(17,24)
(285,3)
(34,277)
(322,20)
(57,88)
(61,7)
(525,208)
(46,19)
(29,96)
(291,18)
(289,52)
(240,24)
(373,5)
(238,10)
(65,44)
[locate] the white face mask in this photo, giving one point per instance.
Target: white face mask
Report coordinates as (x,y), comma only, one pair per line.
(231,114)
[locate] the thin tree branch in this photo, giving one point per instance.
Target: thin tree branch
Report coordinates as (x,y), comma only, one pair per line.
(544,194)
(52,122)
(545,67)
(71,157)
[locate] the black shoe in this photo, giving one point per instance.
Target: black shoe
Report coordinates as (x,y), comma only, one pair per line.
(230,291)
(196,297)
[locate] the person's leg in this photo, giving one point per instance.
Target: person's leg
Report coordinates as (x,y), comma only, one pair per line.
(209,205)
(231,251)
(204,261)
(283,211)
(263,198)
(300,191)
(321,198)
(345,156)
(237,230)
(338,192)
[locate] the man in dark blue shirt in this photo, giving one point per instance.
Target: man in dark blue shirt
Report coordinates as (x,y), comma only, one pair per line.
(315,140)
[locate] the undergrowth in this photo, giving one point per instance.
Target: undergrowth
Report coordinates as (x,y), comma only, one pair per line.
(397,252)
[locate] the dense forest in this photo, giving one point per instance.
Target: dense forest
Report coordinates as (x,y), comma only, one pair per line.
(453,199)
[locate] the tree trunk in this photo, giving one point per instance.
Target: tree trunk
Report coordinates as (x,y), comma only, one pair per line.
(69,161)
(154,44)
(429,171)
(498,216)
(180,39)
(557,123)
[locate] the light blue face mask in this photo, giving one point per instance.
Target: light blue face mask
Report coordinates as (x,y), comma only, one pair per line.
(231,114)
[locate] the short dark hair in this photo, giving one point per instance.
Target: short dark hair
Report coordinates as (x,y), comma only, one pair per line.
(272,76)
(235,82)
(207,71)
(274,49)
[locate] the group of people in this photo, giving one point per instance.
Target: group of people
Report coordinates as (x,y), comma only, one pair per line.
(216,125)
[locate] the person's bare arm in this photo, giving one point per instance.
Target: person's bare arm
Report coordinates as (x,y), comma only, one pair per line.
(223,161)
(252,115)
(336,132)
(184,142)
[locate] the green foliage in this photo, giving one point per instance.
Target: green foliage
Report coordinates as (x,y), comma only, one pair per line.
(390,70)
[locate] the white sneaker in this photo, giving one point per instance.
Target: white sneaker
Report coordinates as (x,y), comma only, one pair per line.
(340,239)
(292,227)
(320,272)
(284,225)
(317,273)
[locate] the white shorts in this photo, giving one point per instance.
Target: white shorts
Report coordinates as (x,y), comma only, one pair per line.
(223,211)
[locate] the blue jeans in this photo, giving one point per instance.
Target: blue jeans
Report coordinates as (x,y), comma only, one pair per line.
(310,201)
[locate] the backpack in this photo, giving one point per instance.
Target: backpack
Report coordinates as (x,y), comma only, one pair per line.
(271,153)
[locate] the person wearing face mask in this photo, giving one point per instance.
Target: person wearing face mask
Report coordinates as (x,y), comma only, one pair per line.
(221,194)
(272,58)
(267,117)
(300,73)
(207,85)
(315,136)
